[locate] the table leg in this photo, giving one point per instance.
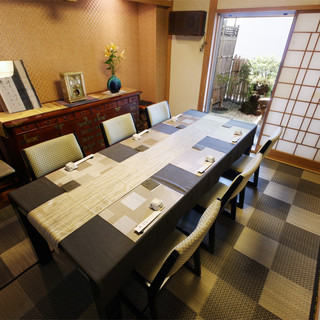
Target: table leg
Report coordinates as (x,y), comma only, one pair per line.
(106,310)
(39,244)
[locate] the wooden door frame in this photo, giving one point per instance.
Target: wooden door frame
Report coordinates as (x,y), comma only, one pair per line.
(211,39)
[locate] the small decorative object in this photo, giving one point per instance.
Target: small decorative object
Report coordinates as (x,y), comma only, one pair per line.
(73,86)
(113,59)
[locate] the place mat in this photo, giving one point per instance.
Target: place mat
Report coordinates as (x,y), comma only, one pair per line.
(35,193)
(241,124)
(118,152)
(86,172)
(193,159)
(148,139)
(176,178)
(133,208)
(195,113)
(162,127)
(216,144)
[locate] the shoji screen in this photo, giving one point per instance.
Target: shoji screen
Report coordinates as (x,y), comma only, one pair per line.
(295,104)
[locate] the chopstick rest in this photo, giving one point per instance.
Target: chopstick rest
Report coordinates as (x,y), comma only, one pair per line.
(137,136)
(70,166)
(146,222)
(235,139)
(208,163)
(175,118)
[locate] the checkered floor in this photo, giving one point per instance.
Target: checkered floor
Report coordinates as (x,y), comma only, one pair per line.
(264,266)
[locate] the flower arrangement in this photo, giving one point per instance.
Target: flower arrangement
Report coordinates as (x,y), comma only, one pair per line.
(113,57)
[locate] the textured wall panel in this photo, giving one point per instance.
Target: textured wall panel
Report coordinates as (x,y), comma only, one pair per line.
(56,36)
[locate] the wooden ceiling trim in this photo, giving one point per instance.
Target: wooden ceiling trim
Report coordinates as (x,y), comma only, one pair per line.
(163,3)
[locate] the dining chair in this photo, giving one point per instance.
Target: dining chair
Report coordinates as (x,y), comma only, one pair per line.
(51,155)
(118,128)
(159,265)
(239,165)
(157,113)
(7,176)
(228,193)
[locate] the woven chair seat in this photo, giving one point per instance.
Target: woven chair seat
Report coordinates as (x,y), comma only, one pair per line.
(5,169)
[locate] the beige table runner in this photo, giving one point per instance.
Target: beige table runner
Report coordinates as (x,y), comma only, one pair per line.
(62,215)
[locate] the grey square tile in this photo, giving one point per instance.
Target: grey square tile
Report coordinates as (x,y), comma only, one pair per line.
(298,270)
(309,187)
(226,302)
(11,235)
(300,240)
(170,307)
(297,172)
(6,275)
(228,230)
(285,179)
(68,300)
(260,313)
(304,219)
(244,274)
(266,224)
(270,205)
(256,246)
(284,298)
(307,202)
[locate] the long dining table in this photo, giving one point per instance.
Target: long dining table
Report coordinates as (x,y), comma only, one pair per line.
(91,213)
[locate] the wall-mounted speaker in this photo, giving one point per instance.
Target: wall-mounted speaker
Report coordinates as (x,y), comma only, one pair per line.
(187,23)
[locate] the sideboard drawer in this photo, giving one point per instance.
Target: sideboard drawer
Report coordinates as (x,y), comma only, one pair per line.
(82,113)
(26,128)
(133,99)
(111,105)
(122,102)
(66,118)
(48,122)
(98,109)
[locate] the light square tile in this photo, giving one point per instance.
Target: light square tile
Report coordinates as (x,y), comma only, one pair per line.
(304,219)
(14,302)
(266,173)
(19,257)
(191,289)
(284,298)
(243,215)
(310,176)
(257,246)
(280,192)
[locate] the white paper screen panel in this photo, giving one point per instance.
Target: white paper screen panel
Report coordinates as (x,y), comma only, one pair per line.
(296,97)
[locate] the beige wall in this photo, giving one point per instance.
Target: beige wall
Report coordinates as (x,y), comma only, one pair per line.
(57,36)
(53,36)
(186,63)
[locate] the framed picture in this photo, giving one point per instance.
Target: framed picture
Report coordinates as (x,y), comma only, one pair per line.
(73,86)
(16,90)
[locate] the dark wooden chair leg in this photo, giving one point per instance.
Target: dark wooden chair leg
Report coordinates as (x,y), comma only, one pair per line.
(241,198)
(152,305)
(233,203)
(254,183)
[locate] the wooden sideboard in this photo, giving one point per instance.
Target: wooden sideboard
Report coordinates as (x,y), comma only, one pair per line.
(25,129)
